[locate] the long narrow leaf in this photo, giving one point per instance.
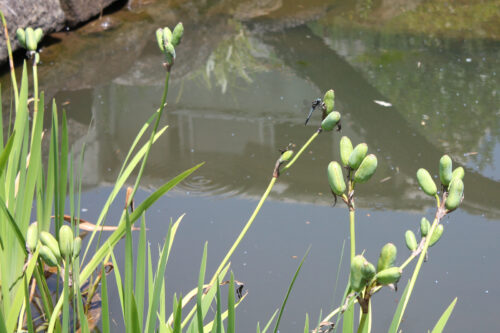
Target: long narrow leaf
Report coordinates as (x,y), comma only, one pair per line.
(397,314)
(104,302)
(230,306)
(282,309)
(201,280)
(444,318)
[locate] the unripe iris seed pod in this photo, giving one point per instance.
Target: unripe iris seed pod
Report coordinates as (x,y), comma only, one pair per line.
(48,256)
(32,237)
(345,150)
(368,271)
(330,121)
(177,34)
(357,155)
(425,226)
(66,241)
(387,257)
(38,35)
(48,240)
(388,276)
(436,235)
(169,53)
(445,170)
(366,169)
(21,37)
(77,246)
(357,281)
(159,39)
(329,101)
(455,193)
(458,173)
(30,39)
(335,178)
(167,35)
(411,240)
(286,156)
(426,182)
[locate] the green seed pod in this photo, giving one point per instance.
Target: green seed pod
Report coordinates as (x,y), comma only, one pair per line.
(411,240)
(77,246)
(38,35)
(368,271)
(21,37)
(426,183)
(335,178)
(345,150)
(436,235)
(48,256)
(366,169)
(357,155)
(167,35)
(330,121)
(66,241)
(286,156)
(32,237)
(387,257)
(357,281)
(169,53)
(425,226)
(389,275)
(30,39)
(329,101)
(458,173)
(48,240)
(159,39)
(445,170)
(177,34)
(455,194)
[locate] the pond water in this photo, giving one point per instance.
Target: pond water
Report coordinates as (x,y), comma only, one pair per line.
(245,76)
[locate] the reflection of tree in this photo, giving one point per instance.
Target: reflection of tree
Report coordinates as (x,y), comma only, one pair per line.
(446,89)
(236,57)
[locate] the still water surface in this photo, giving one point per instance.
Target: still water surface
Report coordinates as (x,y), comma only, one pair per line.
(245,76)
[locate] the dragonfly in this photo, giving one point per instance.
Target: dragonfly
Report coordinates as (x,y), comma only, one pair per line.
(317,102)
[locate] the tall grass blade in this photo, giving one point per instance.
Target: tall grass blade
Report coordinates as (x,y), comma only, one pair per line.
(444,318)
(177,317)
(65,312)
(104,302)
(270,321)
(128,286)
(282,309)
(119,284)
(29,318)
(4,156)
(397,314)
(140,273)
(306,324)
(201,280)
(348,323)
(158,280)
(117,234)
(230,306)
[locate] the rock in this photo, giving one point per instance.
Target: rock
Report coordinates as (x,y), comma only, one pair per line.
(46,14)
(78,11)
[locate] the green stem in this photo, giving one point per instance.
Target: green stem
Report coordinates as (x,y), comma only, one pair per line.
(416,271)
(353,232)
(244,231)
(11,61)
(35,87)
(311,139)
(362,322)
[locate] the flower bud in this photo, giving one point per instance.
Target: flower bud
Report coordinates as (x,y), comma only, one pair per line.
(286,156)
(32,237)
(38,35)
(388,276)
(177,34)
(425,226)
(458,173)
(30,39)
(159,39)
(356,278)
(21,37)
(48,240)
(48,256)
(436,235)
(77,246)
